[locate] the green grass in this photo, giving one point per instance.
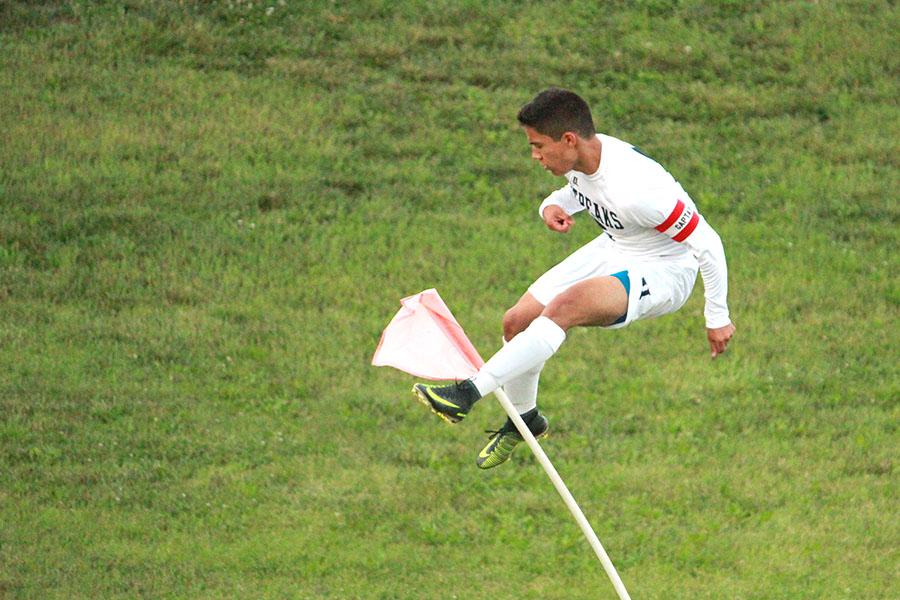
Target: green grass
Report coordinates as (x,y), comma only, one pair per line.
(210,210)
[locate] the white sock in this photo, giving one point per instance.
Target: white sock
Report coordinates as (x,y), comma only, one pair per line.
(526,351)
(522,390)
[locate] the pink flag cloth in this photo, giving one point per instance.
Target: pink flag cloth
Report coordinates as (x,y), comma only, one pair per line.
(424,339)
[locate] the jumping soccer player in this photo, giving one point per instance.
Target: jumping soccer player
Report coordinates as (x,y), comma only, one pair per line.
(643,265)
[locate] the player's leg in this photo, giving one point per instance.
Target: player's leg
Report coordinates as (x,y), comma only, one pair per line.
(599,301)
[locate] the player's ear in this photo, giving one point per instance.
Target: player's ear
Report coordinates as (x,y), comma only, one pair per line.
(570,138)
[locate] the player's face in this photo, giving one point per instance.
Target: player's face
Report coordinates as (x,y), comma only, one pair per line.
(557,156)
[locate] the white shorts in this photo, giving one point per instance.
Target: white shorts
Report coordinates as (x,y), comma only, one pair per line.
(655,286)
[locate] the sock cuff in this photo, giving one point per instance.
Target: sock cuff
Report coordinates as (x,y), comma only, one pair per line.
(484,382)
(548,331)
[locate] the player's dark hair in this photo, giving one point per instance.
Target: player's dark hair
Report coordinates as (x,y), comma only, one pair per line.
(556,111)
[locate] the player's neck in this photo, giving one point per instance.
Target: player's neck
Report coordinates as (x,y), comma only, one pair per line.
(589,152)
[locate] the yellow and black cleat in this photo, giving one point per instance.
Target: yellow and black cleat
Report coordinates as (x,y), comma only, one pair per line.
(504,440)
(450,402)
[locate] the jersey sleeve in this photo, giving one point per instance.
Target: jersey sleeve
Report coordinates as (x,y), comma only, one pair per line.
(680,220)
(706,245)
(564,198)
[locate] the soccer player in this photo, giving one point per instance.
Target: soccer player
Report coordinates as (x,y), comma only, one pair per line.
(643,265)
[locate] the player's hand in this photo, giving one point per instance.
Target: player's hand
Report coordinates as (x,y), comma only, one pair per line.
(557,219)
(719,338)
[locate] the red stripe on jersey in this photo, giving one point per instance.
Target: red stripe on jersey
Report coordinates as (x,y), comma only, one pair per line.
(688,229)
(676,213)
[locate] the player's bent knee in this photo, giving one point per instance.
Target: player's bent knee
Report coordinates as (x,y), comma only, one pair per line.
(515,321)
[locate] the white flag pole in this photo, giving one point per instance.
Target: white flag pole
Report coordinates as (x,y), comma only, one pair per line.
(564,492)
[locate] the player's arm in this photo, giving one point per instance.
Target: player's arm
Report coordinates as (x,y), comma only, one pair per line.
(685,225)
(557,209)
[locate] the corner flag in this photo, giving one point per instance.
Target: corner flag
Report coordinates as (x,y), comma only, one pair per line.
(424,339)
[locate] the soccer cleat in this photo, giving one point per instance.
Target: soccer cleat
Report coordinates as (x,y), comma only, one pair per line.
(450,402)
(504,440)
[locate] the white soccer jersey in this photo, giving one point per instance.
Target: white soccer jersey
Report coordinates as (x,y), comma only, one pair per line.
(649,216)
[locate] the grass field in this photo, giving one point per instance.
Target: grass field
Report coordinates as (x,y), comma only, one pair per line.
(211,209)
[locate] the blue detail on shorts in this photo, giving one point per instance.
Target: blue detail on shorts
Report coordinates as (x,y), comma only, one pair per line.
(626,281)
